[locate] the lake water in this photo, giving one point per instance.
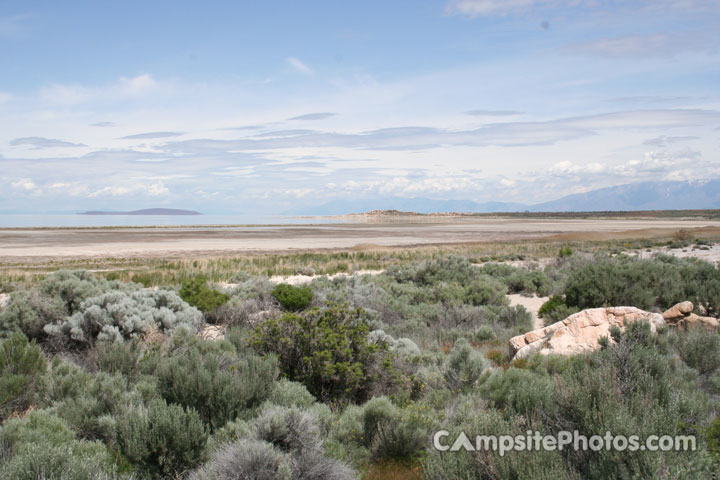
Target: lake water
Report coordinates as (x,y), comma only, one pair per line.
(19,221)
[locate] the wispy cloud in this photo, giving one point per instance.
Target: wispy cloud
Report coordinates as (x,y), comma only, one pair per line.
(664,140)
(25,184)
(651,45)
(653,165)
(300,66)
(124,88)
(11,25)
(103,124)
(314,116)
(41,142)
(153,190)
(286,133)
(507,134)
(655,99)
(493,113)
(137,85)
(476,8)
(152,135)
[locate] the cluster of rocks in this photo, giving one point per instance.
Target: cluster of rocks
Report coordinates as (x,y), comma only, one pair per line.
(582,331)
(682,316)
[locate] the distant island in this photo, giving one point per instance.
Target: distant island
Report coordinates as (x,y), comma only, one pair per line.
(147,211)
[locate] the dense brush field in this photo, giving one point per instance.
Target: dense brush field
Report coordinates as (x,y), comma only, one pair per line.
(104,375)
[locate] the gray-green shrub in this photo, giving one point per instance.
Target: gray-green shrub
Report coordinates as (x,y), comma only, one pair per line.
(117,316)
(464,366)
(286,393)
(644,283)
(289,429)
(22,366)
(214,380)
(29,312)
(42,446)
(161,439)
(246,459)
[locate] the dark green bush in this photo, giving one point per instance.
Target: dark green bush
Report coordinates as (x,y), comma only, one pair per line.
(712,437)
(553,303)
(163,440)
(325,349)
(21,367)
(292,298)
(196,292)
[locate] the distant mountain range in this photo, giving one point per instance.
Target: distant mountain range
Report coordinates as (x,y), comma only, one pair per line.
(147,211)
(668,195)
(640,196)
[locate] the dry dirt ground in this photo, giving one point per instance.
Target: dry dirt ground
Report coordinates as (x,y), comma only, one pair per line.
(532,305)
(709,254)
(17,244)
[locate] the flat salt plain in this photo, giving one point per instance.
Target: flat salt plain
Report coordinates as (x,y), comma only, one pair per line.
(29,243)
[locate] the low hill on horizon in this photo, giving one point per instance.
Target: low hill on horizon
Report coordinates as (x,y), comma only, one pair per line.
(417,205)
(146,211)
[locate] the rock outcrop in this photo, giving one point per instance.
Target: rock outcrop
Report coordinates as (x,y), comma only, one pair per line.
(580,332)
(682,316)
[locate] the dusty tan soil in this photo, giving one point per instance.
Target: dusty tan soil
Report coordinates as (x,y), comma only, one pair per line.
(532,305)
(710,254)
(159,242)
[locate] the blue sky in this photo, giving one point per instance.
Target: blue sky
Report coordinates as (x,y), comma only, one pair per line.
(247,107)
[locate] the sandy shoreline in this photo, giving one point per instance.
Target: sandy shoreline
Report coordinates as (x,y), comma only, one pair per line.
(155,242)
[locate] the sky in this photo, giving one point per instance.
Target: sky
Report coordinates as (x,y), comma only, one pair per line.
(275,106)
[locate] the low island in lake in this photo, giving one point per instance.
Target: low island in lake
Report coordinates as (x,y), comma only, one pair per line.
(147,211)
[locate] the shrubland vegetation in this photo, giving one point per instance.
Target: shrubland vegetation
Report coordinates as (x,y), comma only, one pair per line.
(101,378)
